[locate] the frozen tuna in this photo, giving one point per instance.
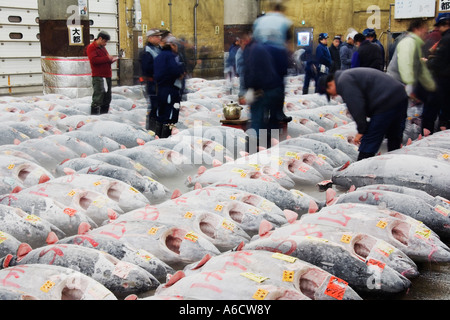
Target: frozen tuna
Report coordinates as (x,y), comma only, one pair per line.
(49,282)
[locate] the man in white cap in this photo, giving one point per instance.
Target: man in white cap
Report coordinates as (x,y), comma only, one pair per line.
(152,50)
(347,50)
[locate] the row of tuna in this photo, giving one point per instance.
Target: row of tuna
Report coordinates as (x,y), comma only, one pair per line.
(95,207)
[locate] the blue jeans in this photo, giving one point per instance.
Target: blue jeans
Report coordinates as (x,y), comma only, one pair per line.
(389,124)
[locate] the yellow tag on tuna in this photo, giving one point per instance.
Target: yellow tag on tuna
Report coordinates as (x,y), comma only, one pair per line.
(254,277)
(191,236)
(260,294)
(346,238)
(382,224)
(284,257)
(47,286)
(288,275)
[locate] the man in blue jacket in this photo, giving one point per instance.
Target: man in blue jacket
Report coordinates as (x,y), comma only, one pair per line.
(151,51)
(372,94)
(323,55)
(169,73)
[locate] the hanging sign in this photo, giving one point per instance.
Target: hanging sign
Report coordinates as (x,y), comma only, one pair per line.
(75,35)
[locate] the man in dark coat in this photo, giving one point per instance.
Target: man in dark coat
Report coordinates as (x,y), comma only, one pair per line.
(439,64)
(169,73)
(368,54)
(372,94)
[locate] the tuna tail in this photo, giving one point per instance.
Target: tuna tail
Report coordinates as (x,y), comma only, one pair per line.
(6,261)
(197,186)
(313,207)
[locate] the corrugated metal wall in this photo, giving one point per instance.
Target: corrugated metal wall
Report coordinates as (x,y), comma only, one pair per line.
(20,48)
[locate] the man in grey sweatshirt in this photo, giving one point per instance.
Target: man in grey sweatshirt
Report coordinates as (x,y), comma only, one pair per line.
(377,103)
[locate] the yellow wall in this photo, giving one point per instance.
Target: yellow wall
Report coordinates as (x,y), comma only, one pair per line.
(337,16)
(331,16)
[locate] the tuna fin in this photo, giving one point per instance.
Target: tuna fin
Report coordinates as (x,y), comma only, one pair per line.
(288,137)
(174,278)
(16,189)
(290,215)
(131,297)
(201,170)
(243,153)
(23,250)
(216,163)
(330,196)
(426,132)
(6,260)
(313,207)
(197,186)
(228,159)
(83,228)
(352,188)
(345,166)
(202,262)
(175,130)
(321,129)
(264,228)
(420,137)
(44,178)
(112,215)
(140,142)
(176,193)
(409,142)
(51,238)
(69,171)
(240,246)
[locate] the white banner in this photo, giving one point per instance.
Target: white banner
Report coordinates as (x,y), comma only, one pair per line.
(444,5)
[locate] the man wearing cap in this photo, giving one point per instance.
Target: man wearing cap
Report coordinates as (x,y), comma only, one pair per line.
(371,35)
(347,50)
(439,63)
(335,56)
(100,61)
(372,94)
(368,54)
(152,50)
(323,55)
(169,74)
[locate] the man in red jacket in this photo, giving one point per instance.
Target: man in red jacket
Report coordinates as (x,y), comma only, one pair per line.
(100,61)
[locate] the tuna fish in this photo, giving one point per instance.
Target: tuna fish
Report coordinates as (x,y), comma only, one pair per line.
(244,209)
(334,156)
(122,133)
(362,245)
(161,161)
(371,276)
(7,293)
(235,170)
(63,217)
(263,268)
(437,218)
(94,204)
(127,197)
(49,282)
(10,245)
(120,277)
(405,233)
(153,190)
(25,172)
(336,142)
(123,252)
(416,172)
(176,246)
(99,142)
(293,199)
(221,231)
(27,228)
